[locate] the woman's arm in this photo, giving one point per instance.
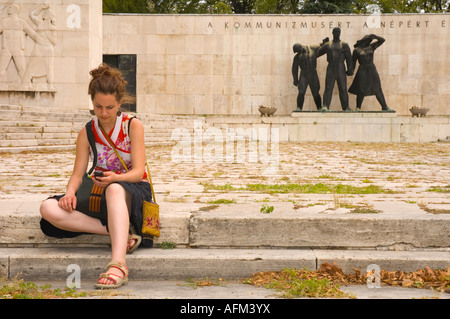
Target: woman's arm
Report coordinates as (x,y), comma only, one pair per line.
(138,156)
(69,201)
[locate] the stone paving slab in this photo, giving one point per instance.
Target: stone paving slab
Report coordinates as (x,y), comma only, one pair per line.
(161,264)
(406,171)
(394,225)
(150,264)
(19,225)
(243,291)
(243,225)
(415,179)
(176,294)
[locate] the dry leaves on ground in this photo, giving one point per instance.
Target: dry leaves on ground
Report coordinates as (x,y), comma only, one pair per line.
(438,279)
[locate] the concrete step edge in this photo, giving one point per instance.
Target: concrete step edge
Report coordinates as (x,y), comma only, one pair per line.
(155,263)
(19,227)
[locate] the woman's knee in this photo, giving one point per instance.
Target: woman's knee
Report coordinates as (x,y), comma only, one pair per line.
(114,191)
(47,208)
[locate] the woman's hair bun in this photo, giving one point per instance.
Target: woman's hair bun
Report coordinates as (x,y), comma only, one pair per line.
(107,80)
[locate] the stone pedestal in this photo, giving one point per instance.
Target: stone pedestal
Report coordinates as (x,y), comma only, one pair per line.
(379,127)
(371,126)
(35,97)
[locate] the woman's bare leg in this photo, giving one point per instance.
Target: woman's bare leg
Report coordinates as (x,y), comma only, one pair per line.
(118,201)
(74,221)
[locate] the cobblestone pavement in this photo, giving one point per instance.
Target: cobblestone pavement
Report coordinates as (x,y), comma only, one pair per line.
(304,173)
(416,174)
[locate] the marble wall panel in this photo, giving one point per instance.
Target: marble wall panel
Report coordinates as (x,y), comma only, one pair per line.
(248,58)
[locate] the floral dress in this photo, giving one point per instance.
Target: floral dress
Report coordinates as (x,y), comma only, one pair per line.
(107,159)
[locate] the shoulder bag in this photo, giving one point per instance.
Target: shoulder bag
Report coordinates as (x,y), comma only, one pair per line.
(89,196)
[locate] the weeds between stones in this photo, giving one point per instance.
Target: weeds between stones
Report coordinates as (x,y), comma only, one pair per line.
(326,281)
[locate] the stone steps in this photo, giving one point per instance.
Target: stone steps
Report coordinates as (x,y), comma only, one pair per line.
(56,264)
(235,240)
(232,243)
(27,129)
(243,226)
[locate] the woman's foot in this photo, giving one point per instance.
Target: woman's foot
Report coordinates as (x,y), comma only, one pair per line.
(133,243)
(115,276)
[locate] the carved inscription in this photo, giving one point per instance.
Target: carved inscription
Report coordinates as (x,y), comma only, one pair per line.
(373,21)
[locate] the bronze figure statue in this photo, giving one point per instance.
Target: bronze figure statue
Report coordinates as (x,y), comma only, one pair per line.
(367,81)
(306,59)
(338,56)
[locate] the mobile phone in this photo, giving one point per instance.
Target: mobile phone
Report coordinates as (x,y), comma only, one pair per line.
(98,174)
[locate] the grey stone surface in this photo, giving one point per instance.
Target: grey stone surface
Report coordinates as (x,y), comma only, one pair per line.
(218,240)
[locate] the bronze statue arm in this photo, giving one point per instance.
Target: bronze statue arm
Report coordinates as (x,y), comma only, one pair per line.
(379,41)
(295,66)
(355,57)
(324,47)
(349,59)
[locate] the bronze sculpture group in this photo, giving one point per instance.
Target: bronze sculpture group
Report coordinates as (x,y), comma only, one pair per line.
(341,63)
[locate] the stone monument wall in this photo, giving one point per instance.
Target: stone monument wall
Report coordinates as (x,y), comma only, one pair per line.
(231,64)
(47,50)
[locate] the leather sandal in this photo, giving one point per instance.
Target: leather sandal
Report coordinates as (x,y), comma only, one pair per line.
(137,241)
(117,280)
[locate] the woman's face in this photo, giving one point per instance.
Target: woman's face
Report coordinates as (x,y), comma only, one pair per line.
(105,108)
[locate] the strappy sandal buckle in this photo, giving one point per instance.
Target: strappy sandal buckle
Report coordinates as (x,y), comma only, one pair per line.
(116,279)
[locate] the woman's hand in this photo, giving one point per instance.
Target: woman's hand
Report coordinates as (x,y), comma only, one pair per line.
(108,178)
(68,202)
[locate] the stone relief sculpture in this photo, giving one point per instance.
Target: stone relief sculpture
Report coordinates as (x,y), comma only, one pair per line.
(367,81)
(338,54)
(13,47)
(42,57)
(306,60)
(14,29)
